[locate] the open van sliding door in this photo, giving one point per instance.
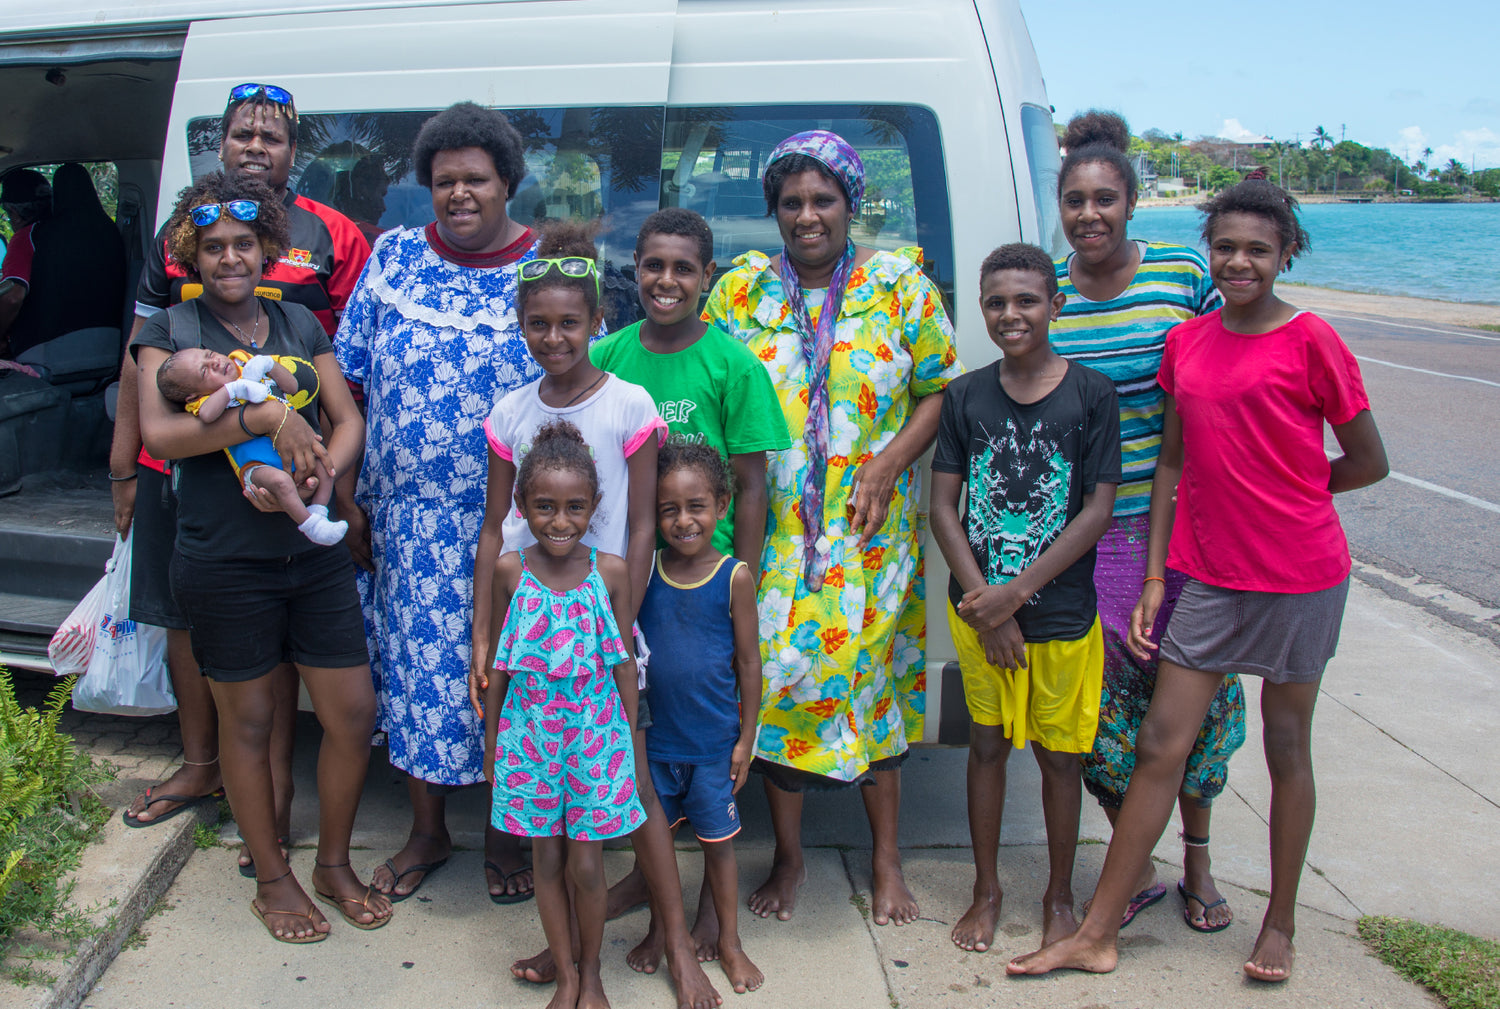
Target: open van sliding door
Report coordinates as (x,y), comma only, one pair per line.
(584,81)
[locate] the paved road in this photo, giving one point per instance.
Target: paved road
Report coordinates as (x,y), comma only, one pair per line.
(1435,392)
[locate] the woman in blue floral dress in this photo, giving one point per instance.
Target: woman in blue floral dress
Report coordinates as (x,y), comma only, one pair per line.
(431,335)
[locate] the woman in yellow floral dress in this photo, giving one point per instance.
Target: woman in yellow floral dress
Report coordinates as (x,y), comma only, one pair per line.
(860,349)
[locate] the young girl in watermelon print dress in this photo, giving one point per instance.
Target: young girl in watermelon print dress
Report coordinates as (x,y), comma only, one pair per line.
(561,702)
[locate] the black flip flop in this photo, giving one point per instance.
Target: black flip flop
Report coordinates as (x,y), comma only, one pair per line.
(1206,928)
(248,869)
(426,868)
(505,878)
(187,802)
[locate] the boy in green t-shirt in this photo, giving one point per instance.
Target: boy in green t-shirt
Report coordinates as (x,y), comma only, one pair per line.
(707,385)
(711,388)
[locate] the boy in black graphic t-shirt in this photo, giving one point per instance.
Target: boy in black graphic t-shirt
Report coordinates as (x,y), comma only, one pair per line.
(1036,439)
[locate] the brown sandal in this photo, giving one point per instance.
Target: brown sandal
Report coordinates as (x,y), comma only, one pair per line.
(260,915)
(337,903)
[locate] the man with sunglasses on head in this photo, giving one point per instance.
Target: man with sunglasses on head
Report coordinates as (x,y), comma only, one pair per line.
(318,269)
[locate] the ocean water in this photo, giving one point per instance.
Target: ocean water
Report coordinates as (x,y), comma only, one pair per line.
(1448,251)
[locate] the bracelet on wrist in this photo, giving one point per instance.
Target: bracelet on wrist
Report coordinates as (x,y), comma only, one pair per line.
(243,426)
(1153,578)
(123,479)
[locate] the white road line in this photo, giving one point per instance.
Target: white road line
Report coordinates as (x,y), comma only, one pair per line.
(1402,325)
(1425,371)
(1457,495)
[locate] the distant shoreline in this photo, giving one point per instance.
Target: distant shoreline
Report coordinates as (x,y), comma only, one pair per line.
(1443,313)
(1188,201)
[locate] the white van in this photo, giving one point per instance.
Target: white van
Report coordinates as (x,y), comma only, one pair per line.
(626,106)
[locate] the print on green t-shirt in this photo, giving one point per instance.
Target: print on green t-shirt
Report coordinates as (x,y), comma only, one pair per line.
(715,391)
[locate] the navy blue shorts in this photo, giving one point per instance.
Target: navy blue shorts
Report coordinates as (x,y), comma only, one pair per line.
(701,794)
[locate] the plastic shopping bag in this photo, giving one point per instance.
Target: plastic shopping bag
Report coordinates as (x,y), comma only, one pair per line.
(73,645)
(127,672)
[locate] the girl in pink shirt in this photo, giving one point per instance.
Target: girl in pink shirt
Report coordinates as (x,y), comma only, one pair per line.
(1243,494)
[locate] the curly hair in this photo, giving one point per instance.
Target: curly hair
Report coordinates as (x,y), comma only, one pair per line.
(561,239)
(1102,137)
(681,452)
(468,125)
(557,446)
(682,222)
(270,224)
(1021,256)
(795,164)
(1263,199)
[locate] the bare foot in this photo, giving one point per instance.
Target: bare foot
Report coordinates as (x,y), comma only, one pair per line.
(778,894)
(420,850)
(1057,916)
(194,781)
(705,934)
(1068,953)
(627,895)
(539,969)
(286,909)
(892,902)
(743,975)
(591,990)
(694,990)
(1272,958)
(566,995)
(975,931)
(646,956)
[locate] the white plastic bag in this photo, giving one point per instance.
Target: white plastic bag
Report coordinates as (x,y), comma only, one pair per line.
(73,644)
(127,672)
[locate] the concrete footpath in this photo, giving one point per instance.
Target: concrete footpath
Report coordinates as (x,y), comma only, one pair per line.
(1408,824)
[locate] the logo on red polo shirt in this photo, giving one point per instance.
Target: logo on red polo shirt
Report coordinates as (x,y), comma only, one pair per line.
(297,257)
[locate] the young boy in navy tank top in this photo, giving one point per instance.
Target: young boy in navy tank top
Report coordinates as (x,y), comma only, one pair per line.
(699,617)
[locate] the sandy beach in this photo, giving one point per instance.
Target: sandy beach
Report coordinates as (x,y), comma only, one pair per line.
(1447,313)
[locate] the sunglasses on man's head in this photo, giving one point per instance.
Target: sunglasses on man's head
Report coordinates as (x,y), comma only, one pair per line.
(240,210)
(281,96)
(568,266)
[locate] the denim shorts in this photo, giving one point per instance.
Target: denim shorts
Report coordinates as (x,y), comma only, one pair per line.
(701,794)
(246,617)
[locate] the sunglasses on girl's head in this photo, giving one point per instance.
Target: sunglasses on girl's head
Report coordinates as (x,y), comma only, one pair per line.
(240,92)
(568,266)
(240,210)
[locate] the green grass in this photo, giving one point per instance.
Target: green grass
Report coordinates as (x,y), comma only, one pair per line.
(205,836)
(1493,327)
(48,815)
(1461,969)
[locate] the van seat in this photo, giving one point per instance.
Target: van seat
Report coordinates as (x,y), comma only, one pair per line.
(80,361)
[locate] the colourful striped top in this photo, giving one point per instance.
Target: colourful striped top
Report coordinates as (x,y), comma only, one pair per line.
(1124,338)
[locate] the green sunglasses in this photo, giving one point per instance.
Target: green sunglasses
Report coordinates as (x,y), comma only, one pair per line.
(576,267)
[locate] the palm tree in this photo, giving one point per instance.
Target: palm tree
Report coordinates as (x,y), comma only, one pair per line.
(1453,172)
(1322,138)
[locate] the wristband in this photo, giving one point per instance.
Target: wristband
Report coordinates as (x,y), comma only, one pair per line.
(1153,578)
(123,479)
(243,426)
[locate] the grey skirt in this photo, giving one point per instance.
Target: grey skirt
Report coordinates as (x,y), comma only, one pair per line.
(1281,637)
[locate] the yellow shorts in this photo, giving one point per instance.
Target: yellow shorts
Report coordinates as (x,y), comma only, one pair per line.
(1054,700)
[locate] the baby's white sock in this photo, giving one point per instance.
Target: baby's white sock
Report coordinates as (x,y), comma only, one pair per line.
(318,529)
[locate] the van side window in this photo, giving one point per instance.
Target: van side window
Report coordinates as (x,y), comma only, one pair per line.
(713,159)
(582,163)
(1045,163)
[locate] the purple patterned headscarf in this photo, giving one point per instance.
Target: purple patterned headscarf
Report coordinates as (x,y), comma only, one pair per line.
(834,152)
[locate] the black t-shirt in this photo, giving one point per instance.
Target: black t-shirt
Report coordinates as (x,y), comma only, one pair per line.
(214,521)
(1027,467)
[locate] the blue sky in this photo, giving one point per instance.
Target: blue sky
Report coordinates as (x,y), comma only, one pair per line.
(1401,76)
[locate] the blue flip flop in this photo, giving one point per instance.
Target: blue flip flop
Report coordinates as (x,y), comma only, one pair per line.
(1188,895)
